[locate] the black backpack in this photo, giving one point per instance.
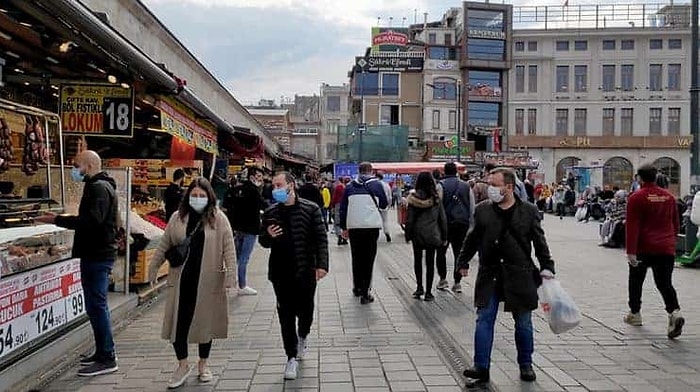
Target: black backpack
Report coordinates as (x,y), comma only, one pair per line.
(455,200)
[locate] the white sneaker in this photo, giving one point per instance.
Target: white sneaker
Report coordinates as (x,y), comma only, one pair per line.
(290,371)
(457,288)
(633,319)
(179,377)
(675,324)
(247,291)
(302,348)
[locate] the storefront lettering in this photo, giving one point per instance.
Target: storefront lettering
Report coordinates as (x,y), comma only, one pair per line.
(580,141)
(487,34)
(683,142)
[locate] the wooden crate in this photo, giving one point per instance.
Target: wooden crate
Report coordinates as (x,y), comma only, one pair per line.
(143,260)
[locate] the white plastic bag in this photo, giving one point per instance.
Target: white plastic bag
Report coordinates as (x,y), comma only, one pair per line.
(581,213)
(695,210)
(562,313)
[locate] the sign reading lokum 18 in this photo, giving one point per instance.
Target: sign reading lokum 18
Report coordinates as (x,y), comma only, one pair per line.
(97,110)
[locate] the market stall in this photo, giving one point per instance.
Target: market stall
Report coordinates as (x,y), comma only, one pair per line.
(40,290)
(400,169)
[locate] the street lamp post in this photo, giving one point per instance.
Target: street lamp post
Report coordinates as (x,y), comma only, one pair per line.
(458,107)
(694,101)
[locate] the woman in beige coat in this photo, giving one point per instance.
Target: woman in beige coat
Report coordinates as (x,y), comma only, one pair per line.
(196,309)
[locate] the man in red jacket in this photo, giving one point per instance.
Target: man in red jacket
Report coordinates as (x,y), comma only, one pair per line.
(652,226)
(336,198)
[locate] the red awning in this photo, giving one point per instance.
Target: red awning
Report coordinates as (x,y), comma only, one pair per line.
(412,167)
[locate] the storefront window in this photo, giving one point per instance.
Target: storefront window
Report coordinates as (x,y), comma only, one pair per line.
(618,172)
(484,114)
(442,53)
(565,166)
(485,20)
(367,83)
(445,89)
(671,169)
(390,84)
(486,49)
(484,78)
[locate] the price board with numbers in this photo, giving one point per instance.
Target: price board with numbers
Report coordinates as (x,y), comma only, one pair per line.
(37,302)
(97,110)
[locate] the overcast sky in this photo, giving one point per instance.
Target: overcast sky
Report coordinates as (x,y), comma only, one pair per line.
(272,48)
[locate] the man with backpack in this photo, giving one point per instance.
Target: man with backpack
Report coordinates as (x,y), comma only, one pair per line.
(458,202)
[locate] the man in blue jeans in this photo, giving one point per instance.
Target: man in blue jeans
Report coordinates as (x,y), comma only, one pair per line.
(95,244)
(244,205)
(505,230)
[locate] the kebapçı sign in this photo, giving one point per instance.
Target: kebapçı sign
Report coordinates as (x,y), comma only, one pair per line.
(374,63)
(97,110)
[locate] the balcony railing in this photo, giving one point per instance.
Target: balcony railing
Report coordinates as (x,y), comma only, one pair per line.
(600,16)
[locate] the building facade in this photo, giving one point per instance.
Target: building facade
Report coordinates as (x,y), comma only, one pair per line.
(465,82)
(335,113)
(604,100)
(386,99)
(305,118)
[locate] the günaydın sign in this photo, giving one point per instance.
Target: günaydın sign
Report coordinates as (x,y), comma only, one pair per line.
(97,110)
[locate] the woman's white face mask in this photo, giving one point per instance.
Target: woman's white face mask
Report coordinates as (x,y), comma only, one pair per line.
(198,204)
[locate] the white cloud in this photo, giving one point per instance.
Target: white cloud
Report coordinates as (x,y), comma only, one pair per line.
(303,77)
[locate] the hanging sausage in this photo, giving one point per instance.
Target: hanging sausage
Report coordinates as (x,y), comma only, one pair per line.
(6,155)
(29,164)
(41,155)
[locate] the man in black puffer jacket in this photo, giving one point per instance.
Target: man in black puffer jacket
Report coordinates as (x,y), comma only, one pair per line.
(95,244)
(294,230)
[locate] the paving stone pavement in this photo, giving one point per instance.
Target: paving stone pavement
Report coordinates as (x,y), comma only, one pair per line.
(372,348)
(390,345)
(603,354)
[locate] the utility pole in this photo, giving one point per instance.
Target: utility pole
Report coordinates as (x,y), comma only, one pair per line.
(459,122)
(694,101)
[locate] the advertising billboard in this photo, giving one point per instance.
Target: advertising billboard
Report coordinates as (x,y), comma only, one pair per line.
(97,110)
(391,62)
(389,39)
(446,150)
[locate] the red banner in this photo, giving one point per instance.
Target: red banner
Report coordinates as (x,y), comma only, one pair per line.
(181,153)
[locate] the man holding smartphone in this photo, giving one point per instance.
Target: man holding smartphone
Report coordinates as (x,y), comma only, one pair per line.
(295,232)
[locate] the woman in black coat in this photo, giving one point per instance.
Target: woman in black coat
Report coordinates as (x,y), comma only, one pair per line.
(426,227)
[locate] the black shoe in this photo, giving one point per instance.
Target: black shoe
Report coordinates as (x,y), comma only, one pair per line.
(477,373)
(388,237)
(340,241)
(429,297)
(366,299)
(527,374)
(418,293)
(87,361)
(356,292)
(476,377)
(99,368)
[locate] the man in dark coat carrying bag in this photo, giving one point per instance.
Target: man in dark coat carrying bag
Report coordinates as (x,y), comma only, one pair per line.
(505,230)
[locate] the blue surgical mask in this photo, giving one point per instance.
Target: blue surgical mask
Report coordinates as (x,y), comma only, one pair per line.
(77,175)
(280,195)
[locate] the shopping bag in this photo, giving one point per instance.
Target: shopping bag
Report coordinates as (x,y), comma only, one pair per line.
(581,213)
(560,309)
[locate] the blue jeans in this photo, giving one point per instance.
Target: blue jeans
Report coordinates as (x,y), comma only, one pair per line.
(94,276)
(245,243)
(483,336)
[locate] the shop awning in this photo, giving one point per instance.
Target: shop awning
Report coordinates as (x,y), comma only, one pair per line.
(412,167)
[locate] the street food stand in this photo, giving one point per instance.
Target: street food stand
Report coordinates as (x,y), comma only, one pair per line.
(410,168)
(40,289)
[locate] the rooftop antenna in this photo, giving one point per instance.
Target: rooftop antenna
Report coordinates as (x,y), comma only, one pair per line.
(391,20)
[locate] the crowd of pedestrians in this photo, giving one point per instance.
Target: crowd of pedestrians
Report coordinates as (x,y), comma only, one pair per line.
(495,216)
